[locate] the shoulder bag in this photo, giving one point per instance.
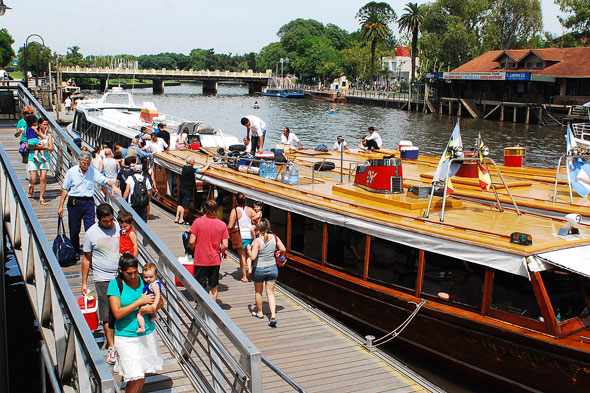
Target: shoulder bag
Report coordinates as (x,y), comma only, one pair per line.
(234,234)
(63,248)
(280,258)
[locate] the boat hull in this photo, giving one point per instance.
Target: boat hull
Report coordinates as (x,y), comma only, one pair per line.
(509,359)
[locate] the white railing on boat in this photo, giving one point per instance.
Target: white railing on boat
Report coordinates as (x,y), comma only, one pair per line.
(581,131)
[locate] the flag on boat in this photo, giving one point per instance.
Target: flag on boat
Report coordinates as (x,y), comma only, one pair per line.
(485,180)
(579,169)
(479,145)
(444,165)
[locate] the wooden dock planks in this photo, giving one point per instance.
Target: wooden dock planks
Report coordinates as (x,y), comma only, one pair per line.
(304,346)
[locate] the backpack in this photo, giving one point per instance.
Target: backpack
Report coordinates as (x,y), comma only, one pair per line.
(112,318)
(63,248)
(185,238)
(140,195)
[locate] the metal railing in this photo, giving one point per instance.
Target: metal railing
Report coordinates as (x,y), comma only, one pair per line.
(133,72)
(192,334)
(75,356)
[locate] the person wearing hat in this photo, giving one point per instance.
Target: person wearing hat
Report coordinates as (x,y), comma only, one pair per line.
(340,144)
(163,134)
(139,207)
(372,141)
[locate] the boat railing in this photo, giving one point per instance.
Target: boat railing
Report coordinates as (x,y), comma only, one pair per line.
(581,130)
(213,352)
(75,358)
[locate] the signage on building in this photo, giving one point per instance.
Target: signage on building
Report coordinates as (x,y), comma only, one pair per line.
(518,76)
(434,75)
(474,75)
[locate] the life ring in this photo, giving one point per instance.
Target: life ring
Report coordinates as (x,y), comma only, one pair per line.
(324,166)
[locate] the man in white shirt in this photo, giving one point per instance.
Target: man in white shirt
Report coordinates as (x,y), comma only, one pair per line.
(372,141)
(258,128)
(140,208)
(340,144)
(289,138)
(156,145)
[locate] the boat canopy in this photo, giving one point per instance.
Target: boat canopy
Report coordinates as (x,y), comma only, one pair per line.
(504,261)
(575,259)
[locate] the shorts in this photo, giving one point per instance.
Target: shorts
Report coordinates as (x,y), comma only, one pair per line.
(137,356)
(184,197)
(103,300)
(245,243)
(33,165)
(207,274)
(267,273)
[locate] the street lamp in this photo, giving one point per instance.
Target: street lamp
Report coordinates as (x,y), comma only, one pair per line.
(3,8)
(27,55)
(285,60)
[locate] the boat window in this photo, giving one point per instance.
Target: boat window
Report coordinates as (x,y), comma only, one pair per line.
(172,179)
(306,237)
(225,202)
(346,250)
(393,264)
(278,221)
(514,294)
(453,279)
(201,193)
(566,292)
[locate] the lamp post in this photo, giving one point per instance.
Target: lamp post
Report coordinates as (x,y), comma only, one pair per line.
(283,60)
(3,8)
(27,55)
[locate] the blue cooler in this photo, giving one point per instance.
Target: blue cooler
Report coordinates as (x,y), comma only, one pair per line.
(409,152)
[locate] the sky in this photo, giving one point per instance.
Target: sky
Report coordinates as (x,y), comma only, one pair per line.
(150,26)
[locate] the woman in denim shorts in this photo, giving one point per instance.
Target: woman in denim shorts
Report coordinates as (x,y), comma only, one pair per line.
(265,270)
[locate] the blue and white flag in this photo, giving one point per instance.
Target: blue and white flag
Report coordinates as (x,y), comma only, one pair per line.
(579,168)
(443,164)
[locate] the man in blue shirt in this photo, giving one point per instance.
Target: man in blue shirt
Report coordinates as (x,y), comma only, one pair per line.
(139,151)
(79,185)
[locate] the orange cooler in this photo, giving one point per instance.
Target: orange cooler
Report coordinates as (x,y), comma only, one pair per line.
(148,114)
(89,307)
(514,156)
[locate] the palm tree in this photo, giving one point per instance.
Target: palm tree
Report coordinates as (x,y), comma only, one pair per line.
(411,22)
(374,18)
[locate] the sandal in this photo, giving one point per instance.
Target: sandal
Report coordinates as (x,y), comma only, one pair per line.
(43,201)
(175,221)
(255,314)
(273,322)
(31,191)
(244,280)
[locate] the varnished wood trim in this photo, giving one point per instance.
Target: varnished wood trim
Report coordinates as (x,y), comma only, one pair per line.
(289,222)
(367,256)
(324,244)
(487,291)
(517,320)
(544,303)
(212,192)
(420,278)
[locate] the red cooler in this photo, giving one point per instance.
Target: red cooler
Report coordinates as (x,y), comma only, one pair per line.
(188,263)
(514,156)
(89,307)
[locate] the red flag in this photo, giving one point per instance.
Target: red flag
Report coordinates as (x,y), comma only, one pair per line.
(485,181)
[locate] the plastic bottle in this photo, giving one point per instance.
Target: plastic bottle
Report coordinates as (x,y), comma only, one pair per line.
(274,171)
(262,171)
(293,175)
(285,175)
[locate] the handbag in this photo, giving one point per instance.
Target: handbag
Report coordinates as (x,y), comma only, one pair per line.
(280,258)
(235,236)
(181,146)
(63,248)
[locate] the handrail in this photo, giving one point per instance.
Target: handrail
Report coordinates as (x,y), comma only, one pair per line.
(74,352)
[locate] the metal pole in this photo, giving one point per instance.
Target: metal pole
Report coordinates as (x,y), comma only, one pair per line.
(25,66)
(341,161)
(3,333)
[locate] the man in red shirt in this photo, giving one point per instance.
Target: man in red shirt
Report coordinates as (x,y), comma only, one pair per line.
(209,237)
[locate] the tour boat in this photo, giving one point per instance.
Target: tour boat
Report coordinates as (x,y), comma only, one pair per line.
(116,118)
(283,93)
(504,294)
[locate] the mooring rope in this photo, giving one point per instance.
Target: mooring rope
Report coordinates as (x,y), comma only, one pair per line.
(397,331)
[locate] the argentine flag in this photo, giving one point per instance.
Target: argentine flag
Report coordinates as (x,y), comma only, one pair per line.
(578,167)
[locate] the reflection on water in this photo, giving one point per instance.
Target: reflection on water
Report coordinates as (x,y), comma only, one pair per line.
(309,120)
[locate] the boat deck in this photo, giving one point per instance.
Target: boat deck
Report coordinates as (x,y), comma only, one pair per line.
(306,347)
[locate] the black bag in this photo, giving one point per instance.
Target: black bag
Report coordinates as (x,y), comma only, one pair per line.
(63,248)
(140,195)
(321,147)
(185,238)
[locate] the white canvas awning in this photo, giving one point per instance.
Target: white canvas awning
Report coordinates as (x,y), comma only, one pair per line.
(575,259)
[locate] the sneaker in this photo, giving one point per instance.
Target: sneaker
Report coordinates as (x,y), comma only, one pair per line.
(112,356)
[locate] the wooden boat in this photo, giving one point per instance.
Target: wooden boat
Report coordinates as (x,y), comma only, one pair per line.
(508,310)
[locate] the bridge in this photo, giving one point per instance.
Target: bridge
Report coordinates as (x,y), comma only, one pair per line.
(210,79)
(207,346)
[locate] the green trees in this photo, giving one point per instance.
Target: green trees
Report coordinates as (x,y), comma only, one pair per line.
(512,23)
(6,51)
(317,57)
(37,60)
(411,21)
(578,17)
(374,19)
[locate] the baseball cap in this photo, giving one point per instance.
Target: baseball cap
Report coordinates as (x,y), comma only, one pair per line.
(137,168)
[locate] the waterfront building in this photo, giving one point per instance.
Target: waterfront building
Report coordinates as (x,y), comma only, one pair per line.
(399,67)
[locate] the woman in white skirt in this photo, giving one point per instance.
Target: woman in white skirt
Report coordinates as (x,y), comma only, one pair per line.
(137,353)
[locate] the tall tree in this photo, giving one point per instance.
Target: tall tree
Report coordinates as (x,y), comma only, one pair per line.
(411,22)
(374,19)
(294,32)
(6,51)
(317,58)
(37,59)
(512,23)
(578,16)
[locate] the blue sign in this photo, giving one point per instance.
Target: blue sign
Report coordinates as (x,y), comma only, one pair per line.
(434,75)
(15,63)
(518,76)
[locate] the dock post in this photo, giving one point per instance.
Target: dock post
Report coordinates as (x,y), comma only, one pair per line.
(528,114)
(209,87)
(158,86)
(459,110)
(514,114)
(502,113)
(104,85)
(440,106)
(450,108)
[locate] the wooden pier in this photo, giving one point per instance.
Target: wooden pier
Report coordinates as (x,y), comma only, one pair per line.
(307,347)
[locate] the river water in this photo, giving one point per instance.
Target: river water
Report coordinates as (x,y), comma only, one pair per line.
(309,120)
